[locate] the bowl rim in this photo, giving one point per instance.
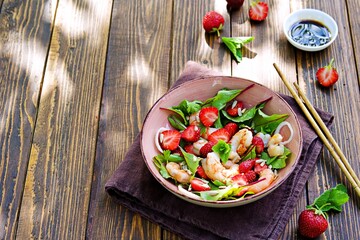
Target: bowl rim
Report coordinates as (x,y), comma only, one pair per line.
(316,11)
(226,203)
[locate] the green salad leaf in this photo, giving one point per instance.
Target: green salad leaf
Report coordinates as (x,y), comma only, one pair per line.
(162,169)
(267,124)
(176,122)
(220,194)
(276,162)
(222,98)
(247,115)
(186,108)
(166,156)
(191,160)
(223,149)
(235,44)
(250,154)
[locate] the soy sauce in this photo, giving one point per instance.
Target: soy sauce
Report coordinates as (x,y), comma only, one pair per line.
(310,33)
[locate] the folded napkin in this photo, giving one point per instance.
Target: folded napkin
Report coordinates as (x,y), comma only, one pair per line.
(133,186)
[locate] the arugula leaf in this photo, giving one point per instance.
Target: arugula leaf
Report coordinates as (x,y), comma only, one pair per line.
(267,124)
(166,156)
(191,160)
(331,199)
(277,162)
(223,149)
(176,123)
(225,193)
(162,169)
(234,44)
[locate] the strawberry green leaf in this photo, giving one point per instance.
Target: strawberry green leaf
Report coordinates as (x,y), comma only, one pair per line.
(223,149)
(331,199)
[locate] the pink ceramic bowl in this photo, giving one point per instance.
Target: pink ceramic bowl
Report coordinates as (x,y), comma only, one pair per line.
(204,88)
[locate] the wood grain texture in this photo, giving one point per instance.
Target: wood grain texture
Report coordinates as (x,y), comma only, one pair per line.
(342,100)
(137,73)
(57,187)
(353,10)
(25,30)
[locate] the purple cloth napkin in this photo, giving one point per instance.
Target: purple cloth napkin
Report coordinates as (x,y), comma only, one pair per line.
(133,186)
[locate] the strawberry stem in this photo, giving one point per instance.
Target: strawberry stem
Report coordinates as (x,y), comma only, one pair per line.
(330,64)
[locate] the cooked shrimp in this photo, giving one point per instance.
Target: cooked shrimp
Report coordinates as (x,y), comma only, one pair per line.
(194,119)
(215,170)
(180,175)
(267,176)
(241,141)
(275,148)
(234,157)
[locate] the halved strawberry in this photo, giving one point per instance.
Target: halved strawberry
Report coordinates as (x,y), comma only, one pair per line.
(170,139)
(189,149)
(327,76)
(258,10)
(221,133)
(232,128)
(205,132)
(233,110)
(250,176)
(191,133)
(240,179)
(204,150)
(208,116)
(258,143)
(259,167)
(201,172)
(246,166)
(199,185)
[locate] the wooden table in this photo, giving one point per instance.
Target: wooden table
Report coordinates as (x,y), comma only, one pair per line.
(78,77)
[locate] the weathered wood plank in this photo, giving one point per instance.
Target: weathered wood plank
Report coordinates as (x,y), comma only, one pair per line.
(57,187)
(25,30)
(136,76)
(190,41)
(342,100)
(354,24)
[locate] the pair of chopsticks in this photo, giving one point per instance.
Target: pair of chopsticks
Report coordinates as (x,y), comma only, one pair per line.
(323,132)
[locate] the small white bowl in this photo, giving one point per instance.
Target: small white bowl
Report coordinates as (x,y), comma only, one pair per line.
(310,15)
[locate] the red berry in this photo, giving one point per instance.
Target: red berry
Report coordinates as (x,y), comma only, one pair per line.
(191,133)
(189,149)
(246,166)
(250,176)
(327,76)
(233,110)
(213,22)
(239,179)
(170,139)
(232,128)
(258,11)
(258,143)
(234,4)
(312,225)
(199,185)
(259,167)
(204,150)
(220,134)
(201,172)
(208,116)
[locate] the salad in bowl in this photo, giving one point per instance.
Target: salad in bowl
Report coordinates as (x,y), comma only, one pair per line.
(227,146)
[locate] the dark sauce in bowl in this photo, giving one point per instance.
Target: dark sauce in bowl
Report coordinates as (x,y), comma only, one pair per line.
(310,33)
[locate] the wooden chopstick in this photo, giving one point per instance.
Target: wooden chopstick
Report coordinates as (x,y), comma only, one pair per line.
(327,133)
(319,132)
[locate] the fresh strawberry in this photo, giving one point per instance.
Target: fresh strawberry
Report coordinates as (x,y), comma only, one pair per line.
(189,149)
(232,128)
(258,143)
(258,11)
(199,185)
(327,76)
(170,139)
(191,133)
(213,22)
(233,110)
(201,172)
(234,4)
(204,150)
(239,179)
(250,176)
(221,133)
(312,224)
(246,165)
(205,132)
(208,116)
(259,167)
